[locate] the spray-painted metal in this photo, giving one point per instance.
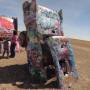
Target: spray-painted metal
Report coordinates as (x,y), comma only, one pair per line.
(44,27)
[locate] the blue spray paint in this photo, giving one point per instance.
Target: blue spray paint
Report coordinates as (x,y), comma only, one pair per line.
(72,62)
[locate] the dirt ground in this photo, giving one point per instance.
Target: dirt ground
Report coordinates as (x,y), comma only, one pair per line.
(14,74)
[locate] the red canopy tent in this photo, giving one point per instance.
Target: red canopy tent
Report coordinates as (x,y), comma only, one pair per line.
(6,26)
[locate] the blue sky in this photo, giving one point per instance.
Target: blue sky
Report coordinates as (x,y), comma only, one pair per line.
(76,13)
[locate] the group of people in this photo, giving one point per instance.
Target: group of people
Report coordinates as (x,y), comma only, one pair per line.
(9,45)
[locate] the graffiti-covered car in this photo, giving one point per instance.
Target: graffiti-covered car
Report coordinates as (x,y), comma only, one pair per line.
(49,52)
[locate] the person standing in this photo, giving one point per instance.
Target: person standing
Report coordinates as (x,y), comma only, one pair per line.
(13,44)
(0,47)
(6,47)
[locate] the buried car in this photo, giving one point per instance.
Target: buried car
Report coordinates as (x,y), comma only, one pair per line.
(49,52)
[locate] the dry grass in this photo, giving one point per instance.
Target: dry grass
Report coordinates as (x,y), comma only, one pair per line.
(14,76)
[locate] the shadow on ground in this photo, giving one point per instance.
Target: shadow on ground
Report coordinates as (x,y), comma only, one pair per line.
(18,75)
(5,57)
